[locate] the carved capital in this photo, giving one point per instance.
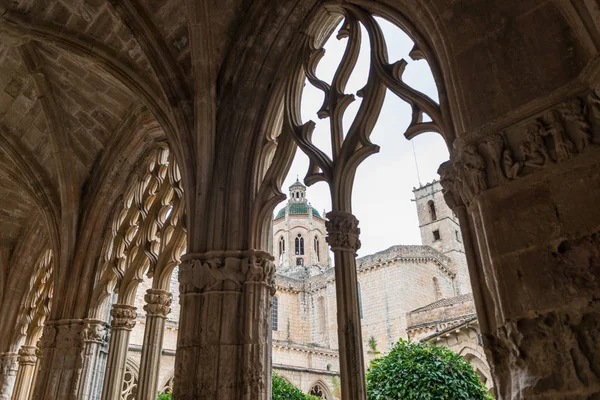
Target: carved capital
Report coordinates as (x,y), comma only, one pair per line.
(225,271)
(95,331)
(48,336)
(123,316)
(27,355)
(63,340)
(158,302)
(342,231)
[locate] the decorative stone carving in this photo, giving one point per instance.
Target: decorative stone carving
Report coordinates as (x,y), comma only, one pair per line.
(553,136)
(123,316)
(226,270)
(95,332)
(8,364)
(342,231)
(48,336)
(27,355)
(158,302)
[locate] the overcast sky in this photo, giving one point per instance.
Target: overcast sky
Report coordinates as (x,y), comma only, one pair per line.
(382,196)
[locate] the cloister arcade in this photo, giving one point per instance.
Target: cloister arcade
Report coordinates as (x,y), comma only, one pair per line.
(138,136)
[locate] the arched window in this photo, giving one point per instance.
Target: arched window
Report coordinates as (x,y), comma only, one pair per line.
(130,382)
(432,212)
(316,245)
(275,312)
(281,246)
(322,317)
(360,310)
(319,391)
(299,245)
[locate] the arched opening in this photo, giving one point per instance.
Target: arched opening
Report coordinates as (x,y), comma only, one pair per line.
(281,246)
(357,68)
(320,390)
(130,381)
(432,212)
(299,243)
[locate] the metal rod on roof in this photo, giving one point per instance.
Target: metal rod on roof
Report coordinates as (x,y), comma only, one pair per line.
(416,163)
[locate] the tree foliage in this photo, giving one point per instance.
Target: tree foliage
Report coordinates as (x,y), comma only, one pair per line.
(283,390)
(165,396)
(421,371)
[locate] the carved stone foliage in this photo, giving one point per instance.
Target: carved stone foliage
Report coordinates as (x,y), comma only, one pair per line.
(96,332)
(158,302)
(38,300)
(228,270)
(551,137)
(27,355)
(147,225)
(123,316)
(342,231)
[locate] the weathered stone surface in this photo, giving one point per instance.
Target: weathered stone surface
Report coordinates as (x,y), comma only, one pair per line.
(519,110)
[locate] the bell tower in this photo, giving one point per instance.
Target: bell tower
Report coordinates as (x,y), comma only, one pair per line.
(440,229)
(299,235)
(297,192)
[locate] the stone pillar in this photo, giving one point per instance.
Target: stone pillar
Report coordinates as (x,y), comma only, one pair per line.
(342,236)
(95,338)
(224,348)
(158,305)
(528,201)
(27,362)
(123,321)
(8,374)
(61,358)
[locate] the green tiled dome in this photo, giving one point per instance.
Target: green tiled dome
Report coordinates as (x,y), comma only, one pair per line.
(298,209)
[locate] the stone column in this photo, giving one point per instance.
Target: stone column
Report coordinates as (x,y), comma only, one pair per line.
(528,201)
(27,361)
(224,348)
(158,305)
(342,236)
(123,321)
(61,358)
(95,339)
(8,374)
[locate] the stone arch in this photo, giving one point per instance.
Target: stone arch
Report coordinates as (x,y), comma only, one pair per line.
(130,380)
(167,384)
(476,357)
(320,390)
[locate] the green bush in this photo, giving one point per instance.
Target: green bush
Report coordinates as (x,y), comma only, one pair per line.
(165,396)
(421,371)
(283,390)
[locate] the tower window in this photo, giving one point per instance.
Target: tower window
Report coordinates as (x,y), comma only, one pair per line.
(436,234)
(316,244)
(457,235)
(299,245)
(274,313)
(299,261)
(432,212)
(281,246)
